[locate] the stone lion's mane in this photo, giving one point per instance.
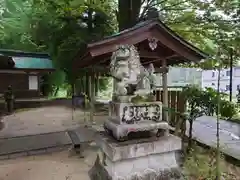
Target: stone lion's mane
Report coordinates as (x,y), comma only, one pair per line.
(133,60)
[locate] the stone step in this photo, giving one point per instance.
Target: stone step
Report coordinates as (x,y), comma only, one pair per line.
(33,144)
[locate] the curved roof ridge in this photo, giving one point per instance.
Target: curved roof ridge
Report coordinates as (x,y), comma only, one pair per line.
(148,24)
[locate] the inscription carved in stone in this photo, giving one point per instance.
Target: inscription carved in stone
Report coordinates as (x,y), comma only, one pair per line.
(134,113)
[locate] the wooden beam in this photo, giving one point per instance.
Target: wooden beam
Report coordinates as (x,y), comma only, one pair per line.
(106,70)
(161,70)
(160,59)
(147,54)
(142,55)
(92,97)
(154,59)
(165,90)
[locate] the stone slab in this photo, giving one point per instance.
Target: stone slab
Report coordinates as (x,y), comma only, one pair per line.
(33,152)
(4,157)
(117,151)
(36,152)
(17,155)
(34,142)
(121,131)
(57,149)
(85,135)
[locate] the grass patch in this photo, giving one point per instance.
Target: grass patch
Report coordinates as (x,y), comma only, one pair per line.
(200,165)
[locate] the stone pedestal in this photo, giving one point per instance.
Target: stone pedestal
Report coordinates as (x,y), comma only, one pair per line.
(127,118)
(145,159)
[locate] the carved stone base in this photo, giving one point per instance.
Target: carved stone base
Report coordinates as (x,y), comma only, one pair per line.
(98,172)
(121,131)
(145,159)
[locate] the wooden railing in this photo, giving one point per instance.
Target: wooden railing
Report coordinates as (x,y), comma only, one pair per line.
(175,101)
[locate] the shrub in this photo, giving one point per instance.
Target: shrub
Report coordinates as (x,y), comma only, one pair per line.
(207,100)
(227,109)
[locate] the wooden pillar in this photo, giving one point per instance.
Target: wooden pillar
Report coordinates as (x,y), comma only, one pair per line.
(97,84)
(92,97)
(85,100)
(165,89)
(84,84)
(78,86)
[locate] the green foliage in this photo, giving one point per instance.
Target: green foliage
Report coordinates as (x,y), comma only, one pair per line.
(193,95)
(227,109)
(206,100)
(61,28)
(210,99)
(209,25)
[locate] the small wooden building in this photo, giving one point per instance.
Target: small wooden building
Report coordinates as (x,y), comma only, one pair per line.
(155,42)
(23,71)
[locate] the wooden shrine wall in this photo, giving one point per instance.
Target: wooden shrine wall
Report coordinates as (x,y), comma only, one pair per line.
(175,101)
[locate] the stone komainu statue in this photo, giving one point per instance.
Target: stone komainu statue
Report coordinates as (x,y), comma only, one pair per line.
(128,72)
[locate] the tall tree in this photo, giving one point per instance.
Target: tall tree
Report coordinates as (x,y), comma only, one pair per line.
(199,22)
(61,28)
(65,26)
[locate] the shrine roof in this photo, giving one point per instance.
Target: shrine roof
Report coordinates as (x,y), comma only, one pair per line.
(10,59)
(168,39)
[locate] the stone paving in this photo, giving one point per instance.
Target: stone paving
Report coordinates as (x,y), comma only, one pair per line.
(205,129)
(58,119)
(25,145)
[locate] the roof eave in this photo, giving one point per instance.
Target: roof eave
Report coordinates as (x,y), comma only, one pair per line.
(34,69)
(181,40)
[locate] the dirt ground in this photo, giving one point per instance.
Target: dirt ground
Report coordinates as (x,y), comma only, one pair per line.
(56,166)
(45,120)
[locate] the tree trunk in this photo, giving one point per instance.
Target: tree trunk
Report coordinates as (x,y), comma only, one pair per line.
(87,85)
(190,135)
(96,84)
(183,135)
(73,89)
(128,13)
(81,85)
(55,92)
(190,119)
